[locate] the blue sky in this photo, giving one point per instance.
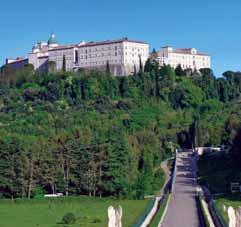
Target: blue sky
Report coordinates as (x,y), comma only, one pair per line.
(212,26)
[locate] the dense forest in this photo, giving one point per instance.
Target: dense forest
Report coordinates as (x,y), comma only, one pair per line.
(95,134)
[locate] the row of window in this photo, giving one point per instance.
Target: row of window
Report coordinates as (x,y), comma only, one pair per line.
(61,53)
(114,52)
(176,56)
(185,66)
(99,62)
(60,58)
(81,62)
(111,54)
(68,66)
(101,55)
(105,62)
(188,62)
(136,55)
(68,55)
(139,49)
(107,48)
(70,52)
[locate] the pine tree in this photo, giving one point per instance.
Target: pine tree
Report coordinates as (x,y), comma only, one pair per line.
(117,172)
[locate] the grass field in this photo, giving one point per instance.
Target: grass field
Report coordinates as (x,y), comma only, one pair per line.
(232,200)
(49,212)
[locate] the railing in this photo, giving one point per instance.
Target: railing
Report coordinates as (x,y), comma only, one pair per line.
(221,220)
(143,217)
(202,218)
(208,213)
(174,174)
(214,211)
(164,204)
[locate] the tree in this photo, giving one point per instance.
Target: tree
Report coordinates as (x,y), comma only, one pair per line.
(95,134)
(207,82)
(167,74)
(154,54)
(236,148)
(185,95)
(148,66)
(222,88)
(140,65)
(107,70)
(123,86)
(64,64)
(188,72)
(135,71)
(179,71)
(118,168)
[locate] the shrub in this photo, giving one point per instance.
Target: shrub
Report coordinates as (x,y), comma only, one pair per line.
(96,220)
(69,218)
(38,193)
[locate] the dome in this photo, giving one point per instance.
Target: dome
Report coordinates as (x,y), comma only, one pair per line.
(52,40)
(81,43)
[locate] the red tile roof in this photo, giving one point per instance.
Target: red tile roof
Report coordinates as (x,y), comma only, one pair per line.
(63,47)
(110,42)
(185,51)
(92,43)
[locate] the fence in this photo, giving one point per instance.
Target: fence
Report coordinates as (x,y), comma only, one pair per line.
(201,215)
(174,173)
(148,209)
(164,204)
(222,222)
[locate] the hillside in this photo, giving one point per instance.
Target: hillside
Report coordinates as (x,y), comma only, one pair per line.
(95,134)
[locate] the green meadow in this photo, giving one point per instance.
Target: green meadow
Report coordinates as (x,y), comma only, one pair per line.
(89,212)
(228,200)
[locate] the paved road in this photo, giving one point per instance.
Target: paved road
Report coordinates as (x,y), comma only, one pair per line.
(182,210)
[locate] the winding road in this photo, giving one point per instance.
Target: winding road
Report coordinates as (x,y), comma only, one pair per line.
(182,210)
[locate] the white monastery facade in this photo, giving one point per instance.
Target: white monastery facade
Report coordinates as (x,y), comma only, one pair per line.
(188,58)
(123,56)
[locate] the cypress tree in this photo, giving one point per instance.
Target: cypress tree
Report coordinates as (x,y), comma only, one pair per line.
(64,64)
(179,71)
(135,71)
(140,65)
(107,68)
